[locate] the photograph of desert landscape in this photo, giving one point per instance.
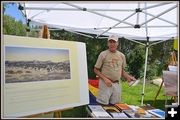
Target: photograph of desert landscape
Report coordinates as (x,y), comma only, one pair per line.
(26,64)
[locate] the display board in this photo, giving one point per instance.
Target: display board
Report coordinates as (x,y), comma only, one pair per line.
(41,75)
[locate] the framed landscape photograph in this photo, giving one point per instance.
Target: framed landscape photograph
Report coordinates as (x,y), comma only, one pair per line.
(25,64)
(42,75)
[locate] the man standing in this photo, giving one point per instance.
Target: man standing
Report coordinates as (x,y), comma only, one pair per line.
(110,68)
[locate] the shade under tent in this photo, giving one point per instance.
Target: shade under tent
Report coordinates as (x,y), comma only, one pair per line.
(153,22)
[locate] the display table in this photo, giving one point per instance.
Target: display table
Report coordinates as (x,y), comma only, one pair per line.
(96,111)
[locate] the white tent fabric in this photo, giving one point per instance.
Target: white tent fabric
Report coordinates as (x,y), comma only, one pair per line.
(143,21)
(105,18)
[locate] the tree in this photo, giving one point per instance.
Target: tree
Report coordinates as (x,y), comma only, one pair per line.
(135,61)
(93,47)
(11,27)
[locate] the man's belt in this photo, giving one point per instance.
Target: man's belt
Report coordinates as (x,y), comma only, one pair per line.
(115,81)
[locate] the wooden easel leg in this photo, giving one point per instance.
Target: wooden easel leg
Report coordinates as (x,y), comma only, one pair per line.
(175,99)
(158,92)
(57,114)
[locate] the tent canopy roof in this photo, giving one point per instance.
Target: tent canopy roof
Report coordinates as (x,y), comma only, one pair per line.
(132,20)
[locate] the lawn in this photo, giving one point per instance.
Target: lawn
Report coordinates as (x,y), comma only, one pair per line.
(133,95)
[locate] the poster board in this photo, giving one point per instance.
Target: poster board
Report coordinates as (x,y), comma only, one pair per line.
(41,75)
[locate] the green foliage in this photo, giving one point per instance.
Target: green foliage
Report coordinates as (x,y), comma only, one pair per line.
(135,57)
(33,33)
(158,59)
(75,112)
(93,47)
(151,71)
(135,60)
(12,27)
(63,35)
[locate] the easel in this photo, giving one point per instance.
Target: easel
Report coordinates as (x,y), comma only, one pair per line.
(58,113)
(39,115)
(44,32)
(173,61)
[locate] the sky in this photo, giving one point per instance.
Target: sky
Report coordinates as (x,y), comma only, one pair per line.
(41,54)
(13,11)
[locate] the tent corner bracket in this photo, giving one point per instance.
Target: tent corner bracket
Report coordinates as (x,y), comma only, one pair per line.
(138,10)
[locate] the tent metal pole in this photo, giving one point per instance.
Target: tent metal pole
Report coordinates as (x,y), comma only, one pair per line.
(144,80)
(156,5)
(159,14)
(137,20)
(145,67)
(37,14)
(79,33)
(116,24)
(136,41)
(27,28)
(156,43)
(159,18)
(73,9)
(157,26)
(25,16)
(85,9)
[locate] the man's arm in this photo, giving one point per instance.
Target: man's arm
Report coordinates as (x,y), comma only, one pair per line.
(106,80)
(127,76)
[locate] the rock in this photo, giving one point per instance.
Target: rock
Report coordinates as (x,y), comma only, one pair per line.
(157,81)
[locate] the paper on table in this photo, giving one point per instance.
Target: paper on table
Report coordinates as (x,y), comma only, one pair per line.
(96,108)
(133,107)
(119,115)
(133,83)
(98,111)
(157,112)
(101,114)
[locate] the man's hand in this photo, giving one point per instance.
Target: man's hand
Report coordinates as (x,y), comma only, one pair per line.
(108,82)
(131,78)
(128,77)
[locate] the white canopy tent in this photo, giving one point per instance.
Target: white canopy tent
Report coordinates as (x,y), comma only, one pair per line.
(153,22)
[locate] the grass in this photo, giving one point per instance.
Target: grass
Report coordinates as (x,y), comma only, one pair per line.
(131,96)
(77,112)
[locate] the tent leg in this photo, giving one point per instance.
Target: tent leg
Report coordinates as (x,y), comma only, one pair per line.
(27,34)
(144,75)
